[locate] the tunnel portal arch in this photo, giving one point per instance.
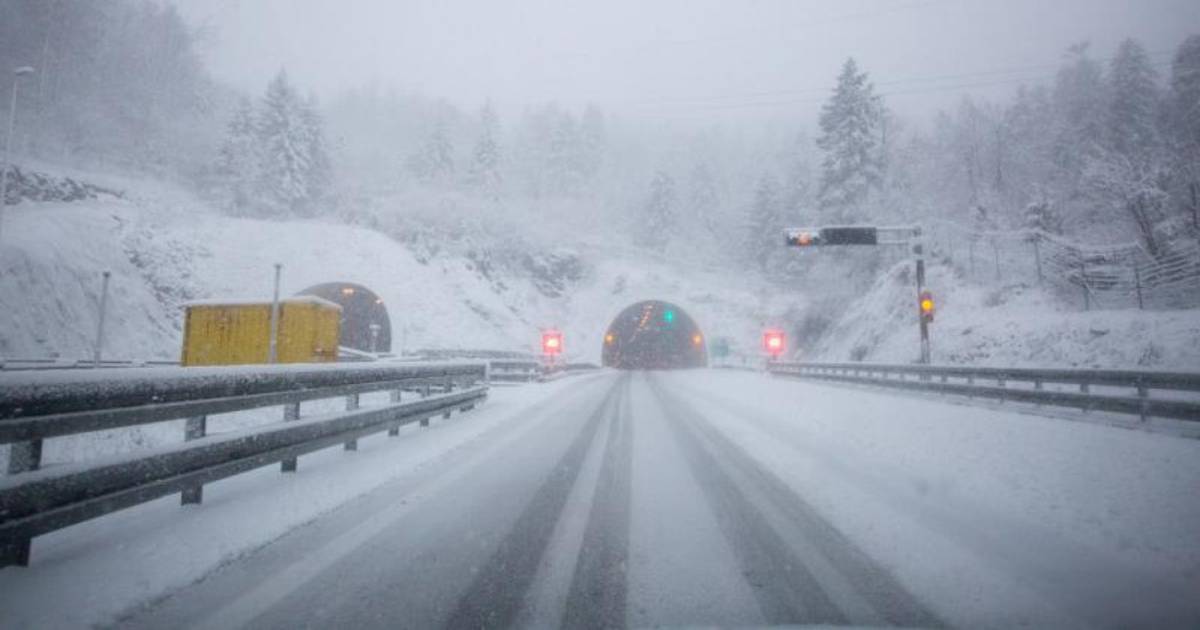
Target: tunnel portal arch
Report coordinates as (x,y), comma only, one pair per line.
(361,307)
(654,335)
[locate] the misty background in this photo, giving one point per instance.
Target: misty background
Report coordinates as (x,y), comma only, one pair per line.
(684,133)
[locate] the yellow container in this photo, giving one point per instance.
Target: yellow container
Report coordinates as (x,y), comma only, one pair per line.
(232,332)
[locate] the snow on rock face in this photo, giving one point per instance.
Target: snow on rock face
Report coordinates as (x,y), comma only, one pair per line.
(1016,325)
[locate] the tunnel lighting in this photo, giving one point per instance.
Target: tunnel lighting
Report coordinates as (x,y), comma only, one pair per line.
(609,338)
(378,301)
(347,290)
(696,339)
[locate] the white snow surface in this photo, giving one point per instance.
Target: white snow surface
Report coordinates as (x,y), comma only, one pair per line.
(72,583)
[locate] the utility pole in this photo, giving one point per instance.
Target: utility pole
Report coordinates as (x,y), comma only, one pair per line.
(12,129)
(100,323)
(273,347)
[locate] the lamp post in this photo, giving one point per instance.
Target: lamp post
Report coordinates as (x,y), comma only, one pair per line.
(12,127)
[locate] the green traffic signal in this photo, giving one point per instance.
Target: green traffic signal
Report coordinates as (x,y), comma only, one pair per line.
(668,316)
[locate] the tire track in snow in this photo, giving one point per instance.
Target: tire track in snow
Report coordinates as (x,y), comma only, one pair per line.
(599,588)
(495,597)
(802,569)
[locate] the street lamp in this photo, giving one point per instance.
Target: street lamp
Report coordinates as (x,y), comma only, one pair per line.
(12,127)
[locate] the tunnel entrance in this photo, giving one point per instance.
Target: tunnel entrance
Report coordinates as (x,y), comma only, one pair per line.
(361,308)
(654,335)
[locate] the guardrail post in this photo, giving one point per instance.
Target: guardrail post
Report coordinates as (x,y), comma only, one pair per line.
(291,413)
(425,394)
(394,430)
(1001,382)
(194,428)
(1084,388)
(351,405)
(1143,393)
(24,456)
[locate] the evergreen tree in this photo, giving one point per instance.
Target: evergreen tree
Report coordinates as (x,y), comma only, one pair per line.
(433,163)
(563,156)
(1133,107)
(591,143)
(850,134)
(765,222)
(484,176)
(320,175)
(286,181)
(239,159)
(1079,102)
(658,213)
(1184,121)
(703,198)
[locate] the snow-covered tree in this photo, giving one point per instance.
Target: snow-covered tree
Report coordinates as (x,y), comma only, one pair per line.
(484,175)
(239,159)
(850,135)
(563,157)
(657,218)
(1134,104)
(433,163)
(765,222)
(320,176)
(1040,217)
(704,199)
(592,143)
(1184,121)
(294,170)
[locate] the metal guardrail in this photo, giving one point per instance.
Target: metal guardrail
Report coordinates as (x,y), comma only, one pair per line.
(506,370)
(998,383)
(73,364)
(36,406)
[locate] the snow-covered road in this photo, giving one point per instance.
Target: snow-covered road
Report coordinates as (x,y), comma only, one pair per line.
(728,499)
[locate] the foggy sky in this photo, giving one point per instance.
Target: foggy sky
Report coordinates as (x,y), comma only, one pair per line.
(688,59)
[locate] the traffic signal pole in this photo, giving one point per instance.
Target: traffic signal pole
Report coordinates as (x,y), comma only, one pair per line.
(906,236)
(919,252)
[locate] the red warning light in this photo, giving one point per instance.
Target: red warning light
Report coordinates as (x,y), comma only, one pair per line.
(552,342)
(773,342)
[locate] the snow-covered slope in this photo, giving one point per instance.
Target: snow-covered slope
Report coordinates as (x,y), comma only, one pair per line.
(165,248)
(494,288)
(1012,325)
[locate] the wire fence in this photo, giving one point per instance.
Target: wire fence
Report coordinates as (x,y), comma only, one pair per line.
(1120,276)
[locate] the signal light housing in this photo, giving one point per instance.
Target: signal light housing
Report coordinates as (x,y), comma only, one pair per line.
(847,235)
(926,305)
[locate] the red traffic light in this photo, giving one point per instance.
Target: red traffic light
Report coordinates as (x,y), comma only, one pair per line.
(926,304)
(774,342)
(552,342)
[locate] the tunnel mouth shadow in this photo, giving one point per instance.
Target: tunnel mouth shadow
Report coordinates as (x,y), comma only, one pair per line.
(654,335)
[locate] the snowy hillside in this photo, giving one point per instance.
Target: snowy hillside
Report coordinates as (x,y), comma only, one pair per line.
(165,248)
(1015,325)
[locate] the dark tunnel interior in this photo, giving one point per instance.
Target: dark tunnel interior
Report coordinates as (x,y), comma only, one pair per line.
(361,308)
(654,335)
